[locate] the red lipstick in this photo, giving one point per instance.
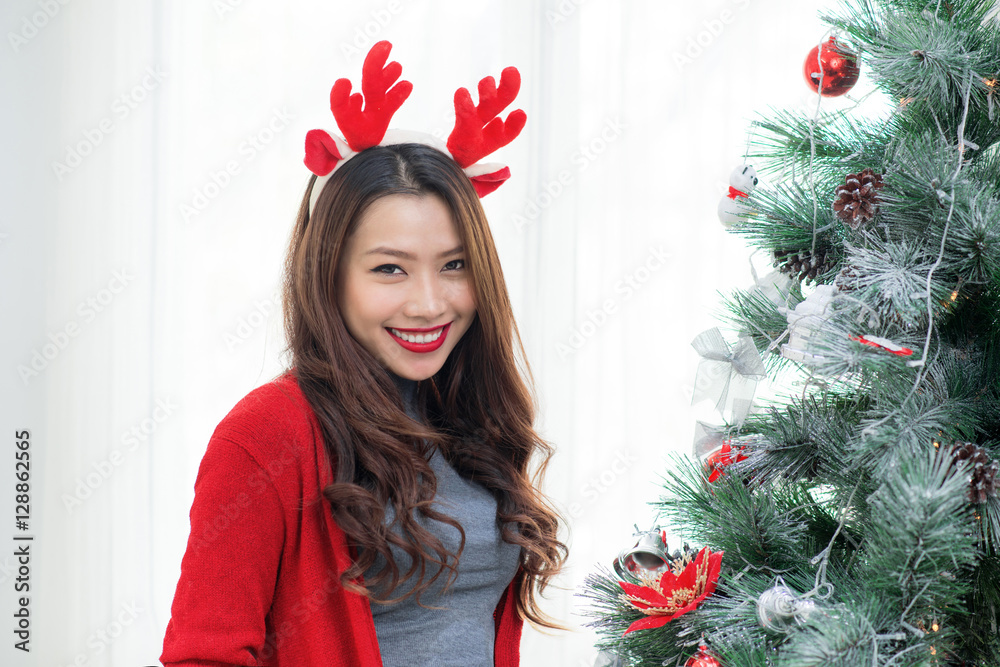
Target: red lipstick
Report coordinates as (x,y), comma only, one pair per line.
(420,347)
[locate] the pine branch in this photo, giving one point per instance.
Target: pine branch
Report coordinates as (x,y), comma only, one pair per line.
(782,219)
(921,546)
(781,143)
(889,279)
(763,529)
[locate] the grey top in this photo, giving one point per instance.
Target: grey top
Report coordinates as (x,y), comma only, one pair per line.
(463,632)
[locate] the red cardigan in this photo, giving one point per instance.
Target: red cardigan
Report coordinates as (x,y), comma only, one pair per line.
(259,581)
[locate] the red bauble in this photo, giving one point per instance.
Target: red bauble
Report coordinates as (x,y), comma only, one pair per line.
(724,456)
(840,69)
(703,659)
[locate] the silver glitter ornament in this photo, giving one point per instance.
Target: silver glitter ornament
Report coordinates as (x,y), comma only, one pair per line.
(805,609)
(779,609)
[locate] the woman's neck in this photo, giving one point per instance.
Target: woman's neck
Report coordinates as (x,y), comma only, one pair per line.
(408,390)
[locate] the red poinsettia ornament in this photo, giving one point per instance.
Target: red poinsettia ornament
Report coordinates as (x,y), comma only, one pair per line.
(722,458)
(665,598)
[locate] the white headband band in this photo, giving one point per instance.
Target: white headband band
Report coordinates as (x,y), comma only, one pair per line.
(393,137)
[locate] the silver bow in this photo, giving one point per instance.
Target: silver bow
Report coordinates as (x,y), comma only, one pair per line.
(727,377)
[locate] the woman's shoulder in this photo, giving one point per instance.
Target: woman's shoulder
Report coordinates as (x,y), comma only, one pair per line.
(270,419)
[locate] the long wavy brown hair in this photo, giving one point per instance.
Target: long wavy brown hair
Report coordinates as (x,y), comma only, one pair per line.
(477,409)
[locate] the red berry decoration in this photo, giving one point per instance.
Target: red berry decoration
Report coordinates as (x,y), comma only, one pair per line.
(839,65)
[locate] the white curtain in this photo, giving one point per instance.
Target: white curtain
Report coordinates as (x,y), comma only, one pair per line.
(152,171)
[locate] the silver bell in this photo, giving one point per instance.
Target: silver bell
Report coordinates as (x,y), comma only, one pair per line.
(647,558)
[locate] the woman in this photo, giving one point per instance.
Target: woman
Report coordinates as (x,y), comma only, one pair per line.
(373,505)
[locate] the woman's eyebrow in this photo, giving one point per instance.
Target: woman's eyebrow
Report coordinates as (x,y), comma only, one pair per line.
(383,250)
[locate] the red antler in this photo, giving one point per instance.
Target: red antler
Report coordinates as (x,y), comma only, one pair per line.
(363,129)
(478,130)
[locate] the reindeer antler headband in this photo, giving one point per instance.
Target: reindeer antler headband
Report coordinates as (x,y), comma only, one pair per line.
(478,128)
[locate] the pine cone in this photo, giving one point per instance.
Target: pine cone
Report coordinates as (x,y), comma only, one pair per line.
(847,279)
(801,265)
(984,471)
(855,201)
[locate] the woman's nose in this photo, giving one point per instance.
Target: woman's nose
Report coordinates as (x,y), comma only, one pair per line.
(428,298)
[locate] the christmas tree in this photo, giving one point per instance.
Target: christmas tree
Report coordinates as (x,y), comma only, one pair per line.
(856,517)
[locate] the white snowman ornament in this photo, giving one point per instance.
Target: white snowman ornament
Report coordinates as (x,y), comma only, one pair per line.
(741,183)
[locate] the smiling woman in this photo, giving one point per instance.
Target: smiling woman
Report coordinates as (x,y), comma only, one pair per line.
(394,451)
(412,316)
(400,438)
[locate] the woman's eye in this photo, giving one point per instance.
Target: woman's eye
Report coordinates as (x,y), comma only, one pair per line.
(378,269)
(387,269)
